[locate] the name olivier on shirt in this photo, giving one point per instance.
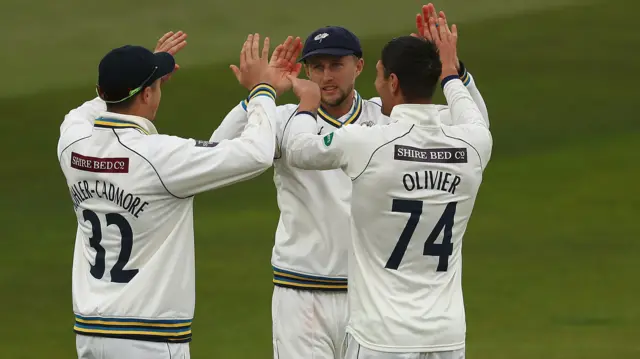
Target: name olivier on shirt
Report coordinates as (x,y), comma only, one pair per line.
(431,179)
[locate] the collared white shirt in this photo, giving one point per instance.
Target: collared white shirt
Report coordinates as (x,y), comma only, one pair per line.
(415,182)
(312,236)
(132,193)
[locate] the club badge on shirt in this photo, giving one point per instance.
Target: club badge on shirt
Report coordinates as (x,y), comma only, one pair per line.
(328,139)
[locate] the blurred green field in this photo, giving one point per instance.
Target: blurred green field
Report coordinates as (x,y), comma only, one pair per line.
(551,254)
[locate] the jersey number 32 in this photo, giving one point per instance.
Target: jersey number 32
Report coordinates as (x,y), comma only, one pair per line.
(118,273)
(443,251)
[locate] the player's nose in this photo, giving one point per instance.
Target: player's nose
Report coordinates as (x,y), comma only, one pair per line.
(327,73)
(329,81)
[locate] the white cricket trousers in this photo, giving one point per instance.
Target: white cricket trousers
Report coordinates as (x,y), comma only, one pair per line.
(356,351)
(308,324)
(90,347)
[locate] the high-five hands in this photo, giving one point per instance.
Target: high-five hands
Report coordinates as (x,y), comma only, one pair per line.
(423,28)
(172,43)
(282,63)
(254,64)
(445,40)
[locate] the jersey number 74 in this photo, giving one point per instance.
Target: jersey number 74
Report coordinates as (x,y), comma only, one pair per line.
(443,251)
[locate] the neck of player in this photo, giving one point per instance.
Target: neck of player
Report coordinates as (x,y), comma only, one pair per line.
(133,110)
(425,101)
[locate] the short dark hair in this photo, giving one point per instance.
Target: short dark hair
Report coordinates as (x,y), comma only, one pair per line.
(416,63)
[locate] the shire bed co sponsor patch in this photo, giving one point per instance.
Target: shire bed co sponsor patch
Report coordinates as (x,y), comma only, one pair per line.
(95,164)
(436,155)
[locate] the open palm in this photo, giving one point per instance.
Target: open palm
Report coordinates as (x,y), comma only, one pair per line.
(172,43)
(283,64)
(422,24)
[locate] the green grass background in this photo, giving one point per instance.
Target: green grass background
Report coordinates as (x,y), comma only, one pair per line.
(551,255)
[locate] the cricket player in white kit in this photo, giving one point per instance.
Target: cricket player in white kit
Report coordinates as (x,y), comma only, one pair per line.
(310,254)
(132,192)
(414,186)
(309,306)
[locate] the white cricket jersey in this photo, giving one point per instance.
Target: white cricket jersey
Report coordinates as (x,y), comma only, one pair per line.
(132,192)
(313,232)
(414,186)
(312,237)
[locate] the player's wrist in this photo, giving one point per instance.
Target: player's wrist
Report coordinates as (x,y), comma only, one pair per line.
(310,100)
(261,89)
(448,71)
(313,114)
(463,74)
(448,78)
(281,89)
(461,68)
(310,107)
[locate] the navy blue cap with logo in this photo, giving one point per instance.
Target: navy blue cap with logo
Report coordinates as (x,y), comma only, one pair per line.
(127,70)
(332,41)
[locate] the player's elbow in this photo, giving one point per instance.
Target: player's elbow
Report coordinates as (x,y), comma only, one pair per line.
(261,156)
(293,154)
(252,166)
(300,162)
(293,158)
(264,161)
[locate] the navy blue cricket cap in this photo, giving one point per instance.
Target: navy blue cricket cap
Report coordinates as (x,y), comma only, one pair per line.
(127,70)
(331,40)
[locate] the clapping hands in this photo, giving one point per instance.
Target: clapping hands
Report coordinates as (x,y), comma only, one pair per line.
(433,27)
(275,72)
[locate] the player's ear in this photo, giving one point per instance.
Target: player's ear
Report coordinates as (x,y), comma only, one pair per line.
(394,84)
(147,93)
(359,65)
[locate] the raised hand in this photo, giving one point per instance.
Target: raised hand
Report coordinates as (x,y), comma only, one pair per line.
(254,66)
(308,92)
(282,63)
(422,24)
(172,43)
(446,41)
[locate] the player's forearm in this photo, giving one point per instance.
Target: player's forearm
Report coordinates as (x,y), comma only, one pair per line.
(234,160)
(259,135)
(235,121)
(468,80)
(258,131)
(232,124)
(306,150)
(479,100)
(463,108)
